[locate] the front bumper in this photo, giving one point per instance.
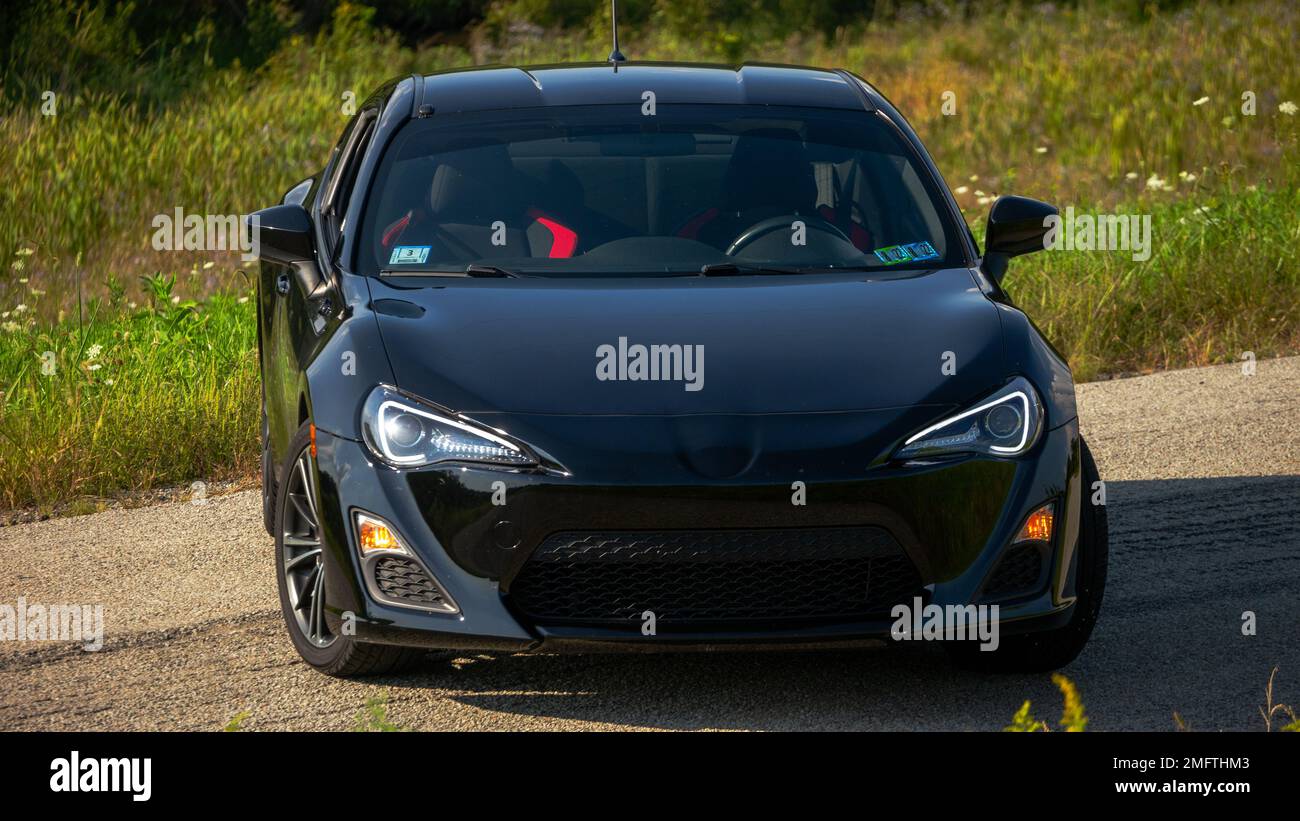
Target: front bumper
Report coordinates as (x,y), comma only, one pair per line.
(953,519)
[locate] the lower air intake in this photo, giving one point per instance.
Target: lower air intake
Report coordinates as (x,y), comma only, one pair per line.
(1018,573)
(715,577)
(405,581)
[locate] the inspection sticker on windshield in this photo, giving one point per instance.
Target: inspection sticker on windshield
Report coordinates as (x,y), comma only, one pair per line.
(912,252)
(409,255)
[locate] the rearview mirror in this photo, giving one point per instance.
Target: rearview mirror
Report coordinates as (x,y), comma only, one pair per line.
(282,233)
(1017,225)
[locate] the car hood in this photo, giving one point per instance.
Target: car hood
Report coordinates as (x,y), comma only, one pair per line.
(759,345)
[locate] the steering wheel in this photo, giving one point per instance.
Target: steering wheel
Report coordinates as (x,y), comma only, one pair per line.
(762,228)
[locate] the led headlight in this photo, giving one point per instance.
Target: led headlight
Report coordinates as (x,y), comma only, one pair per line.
(407,432)
(1005,424)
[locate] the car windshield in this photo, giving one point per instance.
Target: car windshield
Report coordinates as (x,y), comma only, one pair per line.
(613,191)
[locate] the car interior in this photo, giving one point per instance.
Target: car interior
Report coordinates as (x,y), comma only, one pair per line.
(701,197)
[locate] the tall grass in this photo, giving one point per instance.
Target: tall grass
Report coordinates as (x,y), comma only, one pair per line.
(1222,280)
(128,396)
(1073,105)
(1104,96)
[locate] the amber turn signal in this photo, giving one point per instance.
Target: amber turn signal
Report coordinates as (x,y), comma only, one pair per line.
(1038,527)
(374,535)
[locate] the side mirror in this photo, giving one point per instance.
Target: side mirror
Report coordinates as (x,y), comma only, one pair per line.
(1017,225)
(282,233)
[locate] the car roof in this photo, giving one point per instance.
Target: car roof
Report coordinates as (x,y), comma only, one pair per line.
(503,87)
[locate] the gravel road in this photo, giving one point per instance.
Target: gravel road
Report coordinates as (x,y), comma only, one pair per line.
(1202,470)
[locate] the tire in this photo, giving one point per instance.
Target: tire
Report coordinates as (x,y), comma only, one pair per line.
(1053,649)
(329,653)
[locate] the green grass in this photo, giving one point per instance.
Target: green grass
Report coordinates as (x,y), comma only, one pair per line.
(137,397)
(1222,280)
(1073,718)
(374,718)
(1079,106)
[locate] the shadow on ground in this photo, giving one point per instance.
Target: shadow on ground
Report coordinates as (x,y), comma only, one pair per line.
(1188,558)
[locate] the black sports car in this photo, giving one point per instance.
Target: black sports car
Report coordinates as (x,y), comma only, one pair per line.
(659,356)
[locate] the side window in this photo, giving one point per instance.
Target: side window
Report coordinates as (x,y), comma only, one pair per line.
(338,190)
(335,164)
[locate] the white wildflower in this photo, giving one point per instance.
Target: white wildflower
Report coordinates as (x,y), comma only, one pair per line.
(1155,183)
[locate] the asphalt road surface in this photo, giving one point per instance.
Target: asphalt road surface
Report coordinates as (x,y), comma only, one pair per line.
(1202,469)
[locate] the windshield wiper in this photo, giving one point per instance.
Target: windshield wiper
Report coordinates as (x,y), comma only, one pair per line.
(731,269)
(489,271)
(470,271)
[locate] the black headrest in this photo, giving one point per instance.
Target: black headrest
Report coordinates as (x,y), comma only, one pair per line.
(562,188)
(770,166)
(478,186)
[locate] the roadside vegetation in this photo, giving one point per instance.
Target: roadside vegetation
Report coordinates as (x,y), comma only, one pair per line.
(1073,718)
(1276,717)
(1115,107)
(125,394)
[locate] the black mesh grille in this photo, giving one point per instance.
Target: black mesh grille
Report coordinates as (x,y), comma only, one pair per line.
(708,576)
(1017,573)
(404,580)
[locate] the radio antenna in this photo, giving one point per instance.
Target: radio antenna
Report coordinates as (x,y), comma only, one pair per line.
(615,56)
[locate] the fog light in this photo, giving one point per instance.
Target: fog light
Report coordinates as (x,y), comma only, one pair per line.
(374,535)
(401,580)
(1038,527)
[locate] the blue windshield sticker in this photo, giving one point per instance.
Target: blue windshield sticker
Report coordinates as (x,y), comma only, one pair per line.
(911,252)
(892,255)
(410,255)
(922,250)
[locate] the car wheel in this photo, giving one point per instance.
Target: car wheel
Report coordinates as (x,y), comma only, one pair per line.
(1053,649)
(300,570)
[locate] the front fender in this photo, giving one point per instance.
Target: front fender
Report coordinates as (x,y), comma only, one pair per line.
(1028,352)
(348,362)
